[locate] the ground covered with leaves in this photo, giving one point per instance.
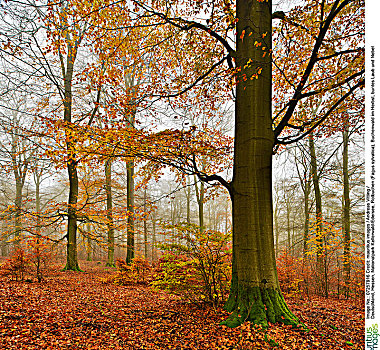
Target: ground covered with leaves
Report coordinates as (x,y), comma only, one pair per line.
(76,311)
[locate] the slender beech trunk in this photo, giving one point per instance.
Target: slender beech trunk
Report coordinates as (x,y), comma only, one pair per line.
(200,194)
(131,213)
(255,292)
(145,227)
(110,224)
(226,213)
(20,165)
(306,194)
(72,163)
(318,213)
(188,198)
(4,237)
(346,217)
(188,208)
(154,238)
(37,181)
(72,253)
(130,114)
(17,217)
(276,228)
(289,240)
(89,243)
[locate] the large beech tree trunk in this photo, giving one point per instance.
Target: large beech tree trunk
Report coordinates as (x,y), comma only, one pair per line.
(255,293)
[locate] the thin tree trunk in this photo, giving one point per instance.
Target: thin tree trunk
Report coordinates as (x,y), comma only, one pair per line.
(89,249)
(306,219)
(188,198)
(276,228)
(131,213)
(145,227)
(17,217)
(37,181)
(200,194)
(346,217)
(154,254)
(289,244)
(318,213)
(72,254)
(110,224)
(20,167)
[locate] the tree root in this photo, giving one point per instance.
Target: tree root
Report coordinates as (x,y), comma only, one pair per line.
(259,306)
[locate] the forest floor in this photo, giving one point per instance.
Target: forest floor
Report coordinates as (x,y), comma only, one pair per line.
(76,311)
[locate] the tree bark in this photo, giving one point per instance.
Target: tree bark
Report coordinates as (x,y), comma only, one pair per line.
(72,254)
(154,239)
(37,181)
(110,224)
(131,211)
(255,293)
(20,165)
(306,194)
(346,217)
(318,213)
(145,227)
(18,205)
(200,194)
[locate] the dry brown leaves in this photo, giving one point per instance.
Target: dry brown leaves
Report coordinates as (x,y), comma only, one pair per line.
(75,311)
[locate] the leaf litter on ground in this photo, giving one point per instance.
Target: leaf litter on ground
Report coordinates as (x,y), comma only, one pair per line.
(74,310)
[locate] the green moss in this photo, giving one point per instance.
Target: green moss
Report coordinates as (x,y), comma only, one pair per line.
(231,301)
(258,305)
(72,268)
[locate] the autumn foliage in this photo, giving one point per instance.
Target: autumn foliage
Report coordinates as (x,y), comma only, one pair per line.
(151,87)
(139,272)
(298,274)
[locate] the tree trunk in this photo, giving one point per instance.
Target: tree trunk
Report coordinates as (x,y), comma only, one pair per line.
(255,293)
(89,243)
(154,239)
(131,212)
(276,229)
(307,219)
(188,198)
(110,225)
(289,243)
(318,213)
(37,181)
(18,205)
(72,255)
(346,217)
(200,194)
(20,167)
(145,228)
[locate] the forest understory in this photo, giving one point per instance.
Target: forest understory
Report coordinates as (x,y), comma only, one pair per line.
(75,310)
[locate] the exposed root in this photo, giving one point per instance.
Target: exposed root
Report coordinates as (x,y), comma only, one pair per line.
(259,306)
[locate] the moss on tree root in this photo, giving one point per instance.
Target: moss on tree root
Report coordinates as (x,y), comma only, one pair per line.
(72,268)
(258,305)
